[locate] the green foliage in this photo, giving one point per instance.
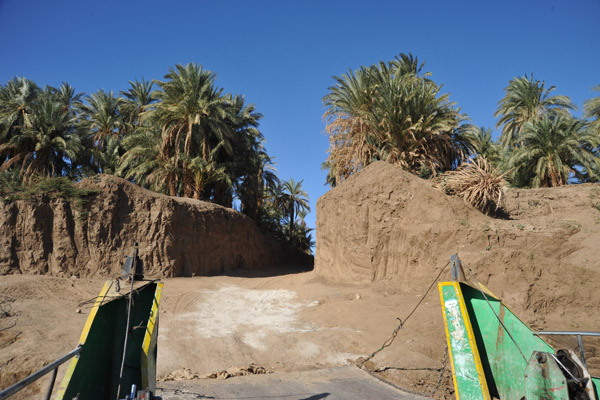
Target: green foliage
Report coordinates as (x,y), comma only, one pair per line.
(182,136)
(10,183)
(391,112)
(283,211)
(481,144)
(591,110)
(46,188)
(552,150)
(527,100)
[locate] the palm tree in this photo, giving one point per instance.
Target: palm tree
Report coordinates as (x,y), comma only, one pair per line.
(296,201)
(388,112)
(17,99)
(552,149)
(68,97)
(527,100)
(350,138)
(274,207)
(141,160)
(136,100)
(209,173)
(44,146)
(257,174)
(108,158)
(240,154)
(101,116)
(251,168)
(407,64)
(303,238)
(414,124)
(481,143)
(591,110)
(191,114)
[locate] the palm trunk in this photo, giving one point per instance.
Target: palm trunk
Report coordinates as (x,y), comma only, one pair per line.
(292,222)
(554,181)
(188,181)
(205,151)
(172,187)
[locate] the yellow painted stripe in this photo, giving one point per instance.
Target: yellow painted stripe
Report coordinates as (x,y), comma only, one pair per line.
(84,334)
(93,312)
(440,286)
(473,343)
(150,331)
(470,335)
(486,290)
(152,319)
(60,393)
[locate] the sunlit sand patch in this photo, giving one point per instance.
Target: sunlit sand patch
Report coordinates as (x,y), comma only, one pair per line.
(247,313)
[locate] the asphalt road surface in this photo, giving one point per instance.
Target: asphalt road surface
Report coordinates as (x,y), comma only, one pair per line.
(340,383)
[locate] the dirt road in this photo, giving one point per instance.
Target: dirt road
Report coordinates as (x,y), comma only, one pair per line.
(211,324)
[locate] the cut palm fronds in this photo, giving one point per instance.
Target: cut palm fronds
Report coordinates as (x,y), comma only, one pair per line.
(478,183)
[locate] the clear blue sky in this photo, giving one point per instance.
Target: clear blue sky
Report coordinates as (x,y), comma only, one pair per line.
(282,54)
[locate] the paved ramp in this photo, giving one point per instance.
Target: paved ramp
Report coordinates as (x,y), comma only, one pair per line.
(340,383)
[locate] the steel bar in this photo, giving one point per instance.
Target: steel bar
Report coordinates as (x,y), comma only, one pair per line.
(581,350)
(568,333)
(579,335)
(51,384)
(37,375)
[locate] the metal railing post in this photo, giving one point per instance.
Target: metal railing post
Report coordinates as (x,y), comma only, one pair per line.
(579,335)
(581,350)
(51,385)
(456,270)
(37,375)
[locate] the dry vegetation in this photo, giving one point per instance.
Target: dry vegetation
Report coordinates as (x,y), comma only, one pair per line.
(478,184)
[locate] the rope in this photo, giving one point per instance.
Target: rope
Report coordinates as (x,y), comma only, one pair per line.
(496,314)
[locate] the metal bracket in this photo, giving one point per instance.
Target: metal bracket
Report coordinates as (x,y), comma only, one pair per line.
(456,269)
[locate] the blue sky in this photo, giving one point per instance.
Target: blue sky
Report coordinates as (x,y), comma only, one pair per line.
(282,54)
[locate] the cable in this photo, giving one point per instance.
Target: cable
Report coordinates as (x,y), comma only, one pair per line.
(497,316)
(132,275)
(391,339)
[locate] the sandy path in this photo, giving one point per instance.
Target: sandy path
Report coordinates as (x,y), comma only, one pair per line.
(294,322)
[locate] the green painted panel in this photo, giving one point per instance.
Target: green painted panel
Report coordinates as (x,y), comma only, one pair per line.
(467,379)
(596,383)
(503,363)
(96,375)
(544,379)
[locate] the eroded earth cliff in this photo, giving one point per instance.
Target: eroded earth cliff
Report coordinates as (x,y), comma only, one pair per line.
(177,237)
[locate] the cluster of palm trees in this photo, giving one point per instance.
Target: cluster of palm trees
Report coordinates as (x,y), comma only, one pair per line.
(393,111)
(182,136)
